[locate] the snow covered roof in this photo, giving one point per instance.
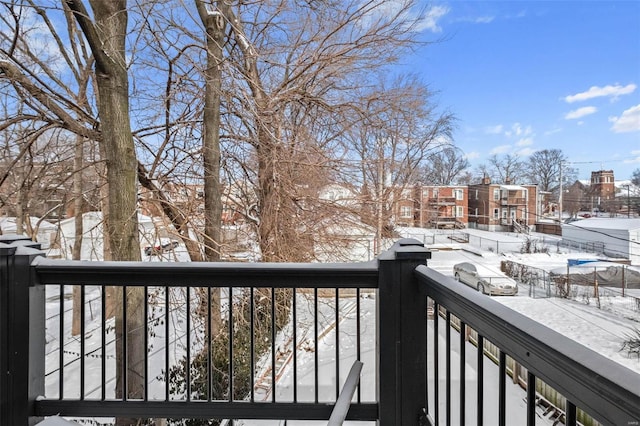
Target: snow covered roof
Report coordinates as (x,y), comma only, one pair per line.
(8,224)
(620,223)
(513,187)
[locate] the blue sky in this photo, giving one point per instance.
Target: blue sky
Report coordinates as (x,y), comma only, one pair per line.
(523,76)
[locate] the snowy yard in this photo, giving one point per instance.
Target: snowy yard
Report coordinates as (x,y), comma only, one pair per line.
(601,331)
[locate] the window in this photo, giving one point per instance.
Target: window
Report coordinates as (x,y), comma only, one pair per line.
(496,194)
(405,211)
(458,194)
(459,211)
(496,213)
(476,195)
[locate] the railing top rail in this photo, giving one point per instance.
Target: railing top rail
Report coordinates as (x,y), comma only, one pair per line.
(605,389)
(207,274)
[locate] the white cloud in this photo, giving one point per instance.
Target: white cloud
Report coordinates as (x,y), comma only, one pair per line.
(518,130)
(525,152)
(430,20)
(484,19)
(494,130)
(525,142)
(629,121)
(596,92)
(552,131)
(476,19)
(501,149)
(413,16)
(580,112)
(472,155)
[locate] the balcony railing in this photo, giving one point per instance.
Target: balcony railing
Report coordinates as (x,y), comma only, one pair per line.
(442,201)
(395,313)
(513,201)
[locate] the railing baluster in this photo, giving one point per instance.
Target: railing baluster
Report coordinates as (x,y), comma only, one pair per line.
(570,414)
(125,330)
(426,339)
(358,339)
(463,381)
(337,308)
(252,355)
(315,344)
(208,351)
(273,344)
(187,368)
(480,383)
(145,324)
(295,346)
(502,389)
(103,341)
(436,362)
(447,355)
(61,344)
(166,343)
(230,344)
(531,399)
(82,341)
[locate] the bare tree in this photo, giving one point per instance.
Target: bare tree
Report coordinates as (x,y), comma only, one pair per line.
(543,168)
(507,167)
(635,177)
(445,167)
(306,80)
(397,131)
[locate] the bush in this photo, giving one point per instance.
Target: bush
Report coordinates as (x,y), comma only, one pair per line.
(632,343)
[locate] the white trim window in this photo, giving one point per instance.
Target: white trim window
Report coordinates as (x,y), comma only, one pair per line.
(459,211)
(459,194)
(405,212)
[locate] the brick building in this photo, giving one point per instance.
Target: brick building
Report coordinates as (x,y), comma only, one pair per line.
(428,206)
(502,207)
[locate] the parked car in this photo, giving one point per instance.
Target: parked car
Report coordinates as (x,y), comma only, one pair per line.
(484,280)
(162,247)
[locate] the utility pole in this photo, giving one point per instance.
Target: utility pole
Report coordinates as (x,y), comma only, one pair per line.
(628,201)
(560,196)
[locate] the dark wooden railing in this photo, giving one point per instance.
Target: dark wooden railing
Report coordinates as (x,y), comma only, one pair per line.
(407,304)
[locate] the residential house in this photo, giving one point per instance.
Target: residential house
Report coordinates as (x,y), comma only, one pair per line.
(443,206)
(430,206)
(503,207)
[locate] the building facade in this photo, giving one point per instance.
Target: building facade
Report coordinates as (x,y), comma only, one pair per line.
(428,206)
(602,186)
(503,207)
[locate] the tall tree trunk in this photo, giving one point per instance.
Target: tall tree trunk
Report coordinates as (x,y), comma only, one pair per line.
(79,229)
(215,25)
(106,37)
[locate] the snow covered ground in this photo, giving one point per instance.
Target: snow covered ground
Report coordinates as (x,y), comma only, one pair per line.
(599,330)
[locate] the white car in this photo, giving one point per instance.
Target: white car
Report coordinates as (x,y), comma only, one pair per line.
(484,280)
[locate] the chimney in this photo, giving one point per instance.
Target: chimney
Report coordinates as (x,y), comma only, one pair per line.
(507,180)
(486,180)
